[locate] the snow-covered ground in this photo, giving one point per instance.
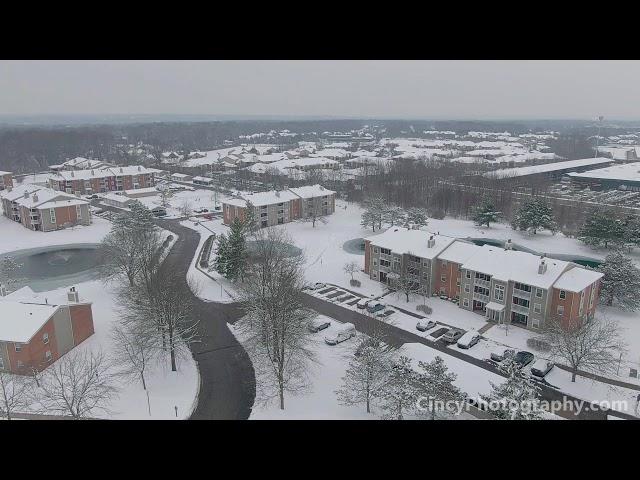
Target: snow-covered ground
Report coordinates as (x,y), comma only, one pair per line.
(198,198)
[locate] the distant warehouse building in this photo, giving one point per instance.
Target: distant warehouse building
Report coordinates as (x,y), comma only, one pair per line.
(278,207)
(623,177)
(549,170)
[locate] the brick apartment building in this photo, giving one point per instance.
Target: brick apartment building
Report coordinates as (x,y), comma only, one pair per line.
(6,180)
(278,207)
(43,209)
(86,182)
(499,283)
(36,331)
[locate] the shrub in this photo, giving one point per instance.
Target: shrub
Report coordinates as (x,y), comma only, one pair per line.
(354,283)
(425,308)
(538,344)
(437,213)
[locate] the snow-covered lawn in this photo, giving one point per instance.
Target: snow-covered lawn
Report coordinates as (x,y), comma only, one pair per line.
(196,199)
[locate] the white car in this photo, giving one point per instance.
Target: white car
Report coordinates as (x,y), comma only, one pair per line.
(362,303)
(342,332)
(541,367)
(469,339)
(318,285)
(425,324)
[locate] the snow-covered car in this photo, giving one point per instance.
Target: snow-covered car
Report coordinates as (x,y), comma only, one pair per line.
(385,314)
(317,324)
(159,212)
(97,211)
(362,303)
(500,354)
(523,358)
(375,306)
(424,325)
(541,367)
(342,332)
(453,335)
(92,197)
(469,339)
(201,210)
(318,285)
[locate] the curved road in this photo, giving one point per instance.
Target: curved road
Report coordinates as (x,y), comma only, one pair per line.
(227,379)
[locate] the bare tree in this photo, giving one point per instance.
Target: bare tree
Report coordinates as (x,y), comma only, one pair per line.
(13,393)
(186,208)
(165,196)
(79,384)
(590,344)
(350,268)
(133,351)
(274,330)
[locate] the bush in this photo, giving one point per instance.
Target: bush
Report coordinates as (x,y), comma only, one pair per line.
(437,213)
(425,308)
(354,283)
(538,344)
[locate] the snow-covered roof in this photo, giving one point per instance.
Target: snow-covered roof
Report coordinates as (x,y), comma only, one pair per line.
(140,191)
(513,265)
(546,168)
(459,252)
(203,179)
(403,240)
(628,171)
(577,279)
(263,198)
(311,191)
(20,321)
(180,175)
(4,173)
(40,197)
(101,173)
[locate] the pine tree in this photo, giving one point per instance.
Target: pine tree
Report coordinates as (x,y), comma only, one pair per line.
(516,398)
(631,236)
(222,255)
(250,222)
(533,215)
(485,213)
(436,384)
(10,272)
(237,251)
(401,391)
(393,215)
(621,281)
(601,227)
(375,211)
(417,216)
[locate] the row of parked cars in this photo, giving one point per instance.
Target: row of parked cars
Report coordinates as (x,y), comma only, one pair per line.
(341,333)
(453,335)
(539,368)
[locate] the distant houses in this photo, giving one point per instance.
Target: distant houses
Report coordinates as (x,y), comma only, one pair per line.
(44,209)
(278,207)
(36,331)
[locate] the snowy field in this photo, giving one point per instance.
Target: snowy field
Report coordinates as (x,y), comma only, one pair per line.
(198,198)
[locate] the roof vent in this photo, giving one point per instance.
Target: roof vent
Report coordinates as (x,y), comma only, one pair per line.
(35,197)
(25,194)
(542,268)
(92,172)
(73,174)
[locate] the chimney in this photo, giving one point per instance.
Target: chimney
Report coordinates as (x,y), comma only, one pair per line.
(3,291)
(277,193)
(73,174)
(508,245)
(25,194)
(72,295)
(139,168)
(121,170)
(542,268)
(35,197)
(92,173)
(431,242)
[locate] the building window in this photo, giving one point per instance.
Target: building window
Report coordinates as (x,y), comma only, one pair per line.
(385,251)
(468,274)
(20,365)
(537,308)
(45,338)
(52,215)
(18,347)
(522,286)
(385,263)
(563,294)
(560,310)
(376,250)
(465,302)
(443,278)
(48,356)
(466,288)
(498,292)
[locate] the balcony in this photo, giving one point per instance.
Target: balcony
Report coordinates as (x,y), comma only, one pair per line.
(482,283)
(480,297)
(520,309)
(521,293)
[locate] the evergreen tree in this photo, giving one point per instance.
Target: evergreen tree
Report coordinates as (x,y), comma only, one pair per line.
(417,216)
(393,215)
(631,236)
(621,281)
(401,391)
(516,398)
(485,213)
(374,214)
(250,222)
(222,255)
(436,384)
(533,215)
(601,228)
(237,251)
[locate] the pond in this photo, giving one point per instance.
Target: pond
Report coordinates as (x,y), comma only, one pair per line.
(49,268)
(355,246)
(579,259)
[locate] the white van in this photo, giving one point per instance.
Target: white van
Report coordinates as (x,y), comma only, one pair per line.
(342,332)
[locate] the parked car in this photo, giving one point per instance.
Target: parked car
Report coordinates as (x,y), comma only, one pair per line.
(424,325)
(453,335)
(375,306)
(97,211)
(362,303)
(208,216)
(318,285)
(342,332)
(469,339)
(159,212)
(523,358)
(92,197)
(201,210)
(385,314)
(541,367)
(502,353)
(318,324)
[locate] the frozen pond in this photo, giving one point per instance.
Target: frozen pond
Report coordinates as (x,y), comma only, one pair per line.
(355,246)
(48,268)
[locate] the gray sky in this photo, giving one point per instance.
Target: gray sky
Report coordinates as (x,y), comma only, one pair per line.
(412,89)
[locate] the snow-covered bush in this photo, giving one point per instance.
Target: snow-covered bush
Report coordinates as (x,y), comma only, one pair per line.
(425,308)
(538,344)
(354,283)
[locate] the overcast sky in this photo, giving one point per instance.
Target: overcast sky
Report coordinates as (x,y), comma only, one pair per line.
(411,89)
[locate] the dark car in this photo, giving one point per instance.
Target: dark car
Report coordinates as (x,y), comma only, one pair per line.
(159,212)
(523,358)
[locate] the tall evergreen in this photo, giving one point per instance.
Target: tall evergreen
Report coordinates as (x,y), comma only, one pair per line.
(533,215)
(621,281)
(602,227)
(237,251)
(485,213)
(516,398)
(222,255)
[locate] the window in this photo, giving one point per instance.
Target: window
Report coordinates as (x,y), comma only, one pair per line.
(385,263)
(520,301)
(539,293)
(522,286)
(48,356)
(537,308)
(443,278)
(465,302)
(466,288)
(535,323)
(78,212)
(18,347)
(375,262)
(20,365)
(1,364)
(385,251)
(483,276)
(560,310)
(45,338)
(468,274)
(376,250)
(52,215)
(498,292)
(563,294)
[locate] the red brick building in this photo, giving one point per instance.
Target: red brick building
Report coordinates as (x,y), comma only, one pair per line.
(86,182)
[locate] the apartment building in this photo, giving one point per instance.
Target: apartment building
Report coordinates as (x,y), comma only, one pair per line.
(87,182)
(278,207)
(37,331)
(402,252)
(43,209)
(80,163)
(6,180)
(499,283)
